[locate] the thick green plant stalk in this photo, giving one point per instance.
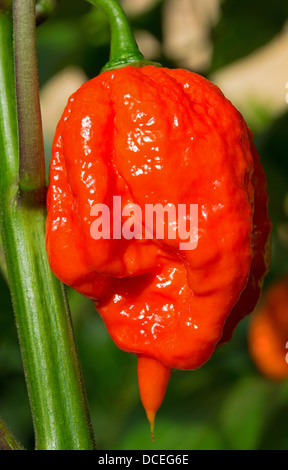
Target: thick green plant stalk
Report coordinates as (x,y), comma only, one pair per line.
(54,381)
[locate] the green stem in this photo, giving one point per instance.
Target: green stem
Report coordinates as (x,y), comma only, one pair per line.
(54,381)
(3,267)
(7,439)
(44,9)
(124,49)
(31,148)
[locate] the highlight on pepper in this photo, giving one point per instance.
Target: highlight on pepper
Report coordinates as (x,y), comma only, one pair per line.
(152,135)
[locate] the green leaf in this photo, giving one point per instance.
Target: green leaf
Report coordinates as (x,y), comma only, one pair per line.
(244,413)
(245,26)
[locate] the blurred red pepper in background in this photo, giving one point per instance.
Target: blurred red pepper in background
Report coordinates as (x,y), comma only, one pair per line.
(268,332)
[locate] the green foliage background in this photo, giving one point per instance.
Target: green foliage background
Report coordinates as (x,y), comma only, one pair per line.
(227,404)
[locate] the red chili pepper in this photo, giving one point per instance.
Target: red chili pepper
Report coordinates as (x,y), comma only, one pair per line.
(152,135)
(268,332)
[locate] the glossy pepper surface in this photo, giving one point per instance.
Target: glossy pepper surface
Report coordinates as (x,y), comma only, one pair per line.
(154,135)
(268,332)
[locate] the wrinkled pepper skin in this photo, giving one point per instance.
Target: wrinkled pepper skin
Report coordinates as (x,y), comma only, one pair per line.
(154,135)
(268,332)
